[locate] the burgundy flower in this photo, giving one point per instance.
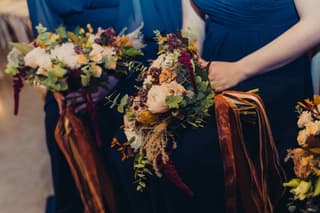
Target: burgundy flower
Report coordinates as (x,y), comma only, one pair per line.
(185,59)
(170,171)
(17,86)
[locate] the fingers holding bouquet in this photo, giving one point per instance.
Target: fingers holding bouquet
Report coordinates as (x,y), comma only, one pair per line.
(223,75)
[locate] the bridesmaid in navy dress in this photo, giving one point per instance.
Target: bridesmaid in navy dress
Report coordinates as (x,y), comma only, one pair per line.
(242,41)
(72,13)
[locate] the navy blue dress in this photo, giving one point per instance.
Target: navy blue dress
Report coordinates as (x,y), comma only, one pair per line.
(234,28)
(72,13)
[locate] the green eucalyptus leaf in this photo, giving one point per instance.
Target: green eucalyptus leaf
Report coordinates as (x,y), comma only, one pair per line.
(23,48)
(174,101)
(11,70)
(316,191)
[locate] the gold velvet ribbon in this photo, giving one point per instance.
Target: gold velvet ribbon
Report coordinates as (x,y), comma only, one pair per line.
(250,186)
(89,172)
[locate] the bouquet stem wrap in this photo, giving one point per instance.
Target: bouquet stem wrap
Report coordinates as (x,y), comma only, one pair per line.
(90,174)
(255,185)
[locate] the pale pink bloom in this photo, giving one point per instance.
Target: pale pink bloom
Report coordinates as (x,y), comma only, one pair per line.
(38,57)
(157,95)
(66,54)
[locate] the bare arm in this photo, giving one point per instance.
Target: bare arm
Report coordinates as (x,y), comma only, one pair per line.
(290,45)
(192,21)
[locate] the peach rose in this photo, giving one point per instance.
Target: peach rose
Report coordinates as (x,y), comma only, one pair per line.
(157,95)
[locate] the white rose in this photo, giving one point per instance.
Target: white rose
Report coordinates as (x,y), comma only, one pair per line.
(38,58)
(157,95)
(98,52)
(66,54)
(304,118)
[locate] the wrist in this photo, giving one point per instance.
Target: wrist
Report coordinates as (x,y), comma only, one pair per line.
(246,68)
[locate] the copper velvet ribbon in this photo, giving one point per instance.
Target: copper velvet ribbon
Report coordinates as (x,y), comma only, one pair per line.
(251,186)
(89,172)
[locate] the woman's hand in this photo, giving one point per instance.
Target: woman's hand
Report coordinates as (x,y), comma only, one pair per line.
(224,75)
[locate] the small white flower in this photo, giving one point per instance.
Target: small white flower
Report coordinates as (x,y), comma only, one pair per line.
(313,128)
(304,118)
(170,60)
(147,81)
(157,63)
(38,58)
(98,52)
(302,137)
(14,58)
(137,138)
(66,54)
(136,38)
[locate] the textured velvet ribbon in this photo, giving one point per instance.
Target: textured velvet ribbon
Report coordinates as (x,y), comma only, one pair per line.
(88,170)
(249,186)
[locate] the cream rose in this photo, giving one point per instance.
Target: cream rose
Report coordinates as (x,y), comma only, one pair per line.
(38,58)
(66,54)
(304,118)
(157,95)
(157,63)
(313,128)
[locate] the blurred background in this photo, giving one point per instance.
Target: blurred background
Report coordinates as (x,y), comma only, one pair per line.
(25,173)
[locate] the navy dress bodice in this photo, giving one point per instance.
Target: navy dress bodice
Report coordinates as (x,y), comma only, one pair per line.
(98,13)
(236,28)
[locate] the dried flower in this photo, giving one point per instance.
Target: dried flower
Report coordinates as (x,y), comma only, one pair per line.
(302,137)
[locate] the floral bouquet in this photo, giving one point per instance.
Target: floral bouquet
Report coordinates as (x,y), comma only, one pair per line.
(306,159)
(175,93)
(68,61)
(73,61)
(80,61)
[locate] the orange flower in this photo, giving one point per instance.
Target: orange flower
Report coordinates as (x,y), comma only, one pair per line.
(146,118)
(193,48)
(82,59)
(167,76)
(123,41)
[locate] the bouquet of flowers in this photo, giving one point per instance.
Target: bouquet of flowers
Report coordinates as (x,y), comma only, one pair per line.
(175,93)
(306,159)
(81,61)
(68,61)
